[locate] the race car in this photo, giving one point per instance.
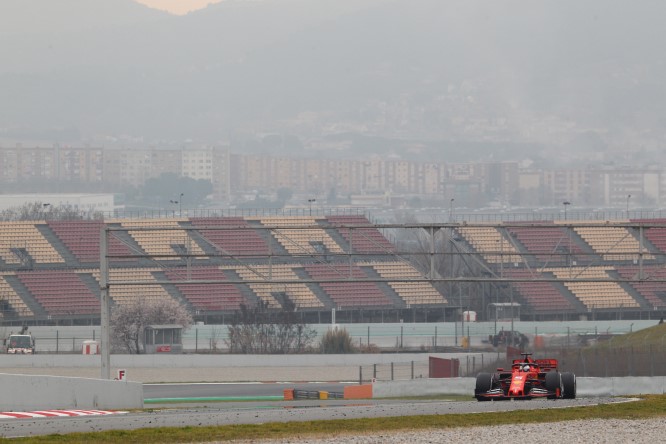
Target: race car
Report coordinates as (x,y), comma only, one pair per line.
(529,378)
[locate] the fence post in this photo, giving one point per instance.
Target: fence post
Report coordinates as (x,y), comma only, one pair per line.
(606,361)
(196,340)
(568,337)
(374,371)
(391,371)
(360,375)
(73,344)
(57,340)
(412,369)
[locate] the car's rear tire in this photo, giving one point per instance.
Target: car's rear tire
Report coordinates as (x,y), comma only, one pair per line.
(568,385)
(484,382)
(553,384)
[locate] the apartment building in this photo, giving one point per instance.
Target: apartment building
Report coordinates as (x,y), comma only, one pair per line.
(471,184)
(19,164)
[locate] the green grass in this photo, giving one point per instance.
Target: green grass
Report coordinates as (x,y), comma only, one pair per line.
(651,406)
(652,336)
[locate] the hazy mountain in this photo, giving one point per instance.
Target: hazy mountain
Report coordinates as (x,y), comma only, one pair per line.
(25,17)
(518,70)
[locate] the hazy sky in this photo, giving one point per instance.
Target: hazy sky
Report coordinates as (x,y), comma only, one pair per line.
(177,6)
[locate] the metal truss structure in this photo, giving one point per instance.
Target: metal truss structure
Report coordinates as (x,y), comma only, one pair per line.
(446,254)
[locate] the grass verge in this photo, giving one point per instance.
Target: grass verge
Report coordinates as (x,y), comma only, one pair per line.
(650,406)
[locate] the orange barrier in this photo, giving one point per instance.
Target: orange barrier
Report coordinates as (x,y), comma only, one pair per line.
(358,391)
(288,394)
(538,342)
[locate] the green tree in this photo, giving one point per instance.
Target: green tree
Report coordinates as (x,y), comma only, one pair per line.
(172,187)
(284,194)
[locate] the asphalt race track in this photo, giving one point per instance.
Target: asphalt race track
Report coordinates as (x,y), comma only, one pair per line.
(229,413)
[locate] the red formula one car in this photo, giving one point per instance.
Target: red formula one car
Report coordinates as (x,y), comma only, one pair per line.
(529,378)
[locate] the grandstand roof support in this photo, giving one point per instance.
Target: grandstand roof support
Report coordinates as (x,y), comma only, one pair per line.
(105,305)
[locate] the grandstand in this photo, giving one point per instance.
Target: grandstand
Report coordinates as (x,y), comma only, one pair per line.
(50,270)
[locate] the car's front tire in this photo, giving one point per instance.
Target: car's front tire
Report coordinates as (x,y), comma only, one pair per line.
(553,384)
(484,382)
(568,385)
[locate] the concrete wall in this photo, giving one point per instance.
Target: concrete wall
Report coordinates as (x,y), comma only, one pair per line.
(22,392)
(224,360)
(465,386)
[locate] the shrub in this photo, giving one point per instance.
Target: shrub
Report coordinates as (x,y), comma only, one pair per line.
(337,340)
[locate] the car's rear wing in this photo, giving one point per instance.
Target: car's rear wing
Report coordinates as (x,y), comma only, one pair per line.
(547,364)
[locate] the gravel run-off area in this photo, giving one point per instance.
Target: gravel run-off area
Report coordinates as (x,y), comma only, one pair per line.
(587,431)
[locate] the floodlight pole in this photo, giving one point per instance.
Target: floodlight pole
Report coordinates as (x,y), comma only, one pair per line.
(105,308)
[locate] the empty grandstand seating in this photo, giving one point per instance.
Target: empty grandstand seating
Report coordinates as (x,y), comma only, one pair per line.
(491,244)
(655,234)
(299,241)
(49,257)
(13,300)
(541,296)
(19,238)
(362,240)
(237,238)
(648,287)
(547,244)
(348,294)
(164,243)
(413,293)
(60,292)
(128,293)
(594,294)
(612,243)
(82,239)
(299,294)
(212,297)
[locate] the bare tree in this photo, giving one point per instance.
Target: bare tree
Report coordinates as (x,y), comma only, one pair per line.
(44,211)
(128,321)
(258,330)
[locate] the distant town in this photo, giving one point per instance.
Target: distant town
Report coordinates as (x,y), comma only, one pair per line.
(258,179)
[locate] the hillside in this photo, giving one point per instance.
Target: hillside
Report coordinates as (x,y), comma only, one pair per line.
(646,338)
(454,70)
(20,18)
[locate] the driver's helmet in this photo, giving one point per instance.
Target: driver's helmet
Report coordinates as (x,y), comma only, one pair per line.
(526,367)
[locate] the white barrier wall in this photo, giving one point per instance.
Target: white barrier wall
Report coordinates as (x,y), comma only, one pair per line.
(465,386)
(224,360)
(24,392)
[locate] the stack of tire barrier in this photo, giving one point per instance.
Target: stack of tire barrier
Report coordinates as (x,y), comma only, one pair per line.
(350,392)
(313,394)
